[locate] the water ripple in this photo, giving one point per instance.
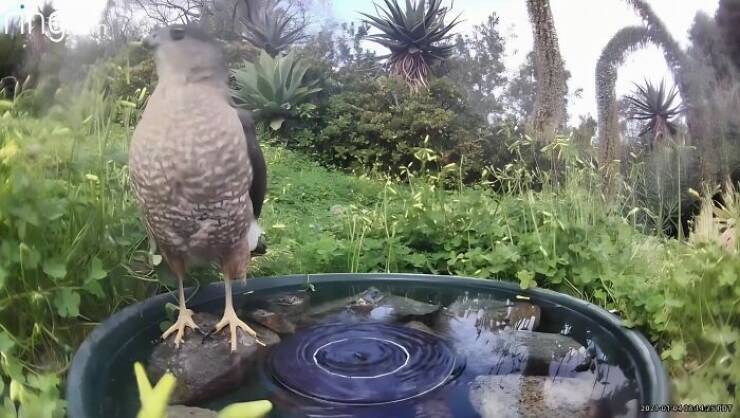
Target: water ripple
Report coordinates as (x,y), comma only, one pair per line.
(363,364)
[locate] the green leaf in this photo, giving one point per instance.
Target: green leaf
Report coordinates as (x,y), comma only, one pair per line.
(3,277)
(6,343)
(29,256)
(97,272)
(727,277)
(677,351)
(526,279)
(6,105)
(55,269)
(94,287)
(67,303)
(13,368)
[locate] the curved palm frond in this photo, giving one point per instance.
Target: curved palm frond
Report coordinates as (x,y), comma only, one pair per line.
(628,39)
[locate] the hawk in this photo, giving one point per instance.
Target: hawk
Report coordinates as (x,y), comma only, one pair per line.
(196,168)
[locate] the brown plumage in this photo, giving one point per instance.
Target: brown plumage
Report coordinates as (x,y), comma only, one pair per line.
(191,169)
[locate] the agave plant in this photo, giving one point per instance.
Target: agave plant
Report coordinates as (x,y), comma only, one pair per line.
(273,87)
(270,26)
(417,37)
(657,107)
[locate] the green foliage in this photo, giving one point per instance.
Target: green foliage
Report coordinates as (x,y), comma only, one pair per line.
(11,51)
(477,67)
(371,124)
(69,241)
(131,72)
(728,19)
(416,37)
(274,88)
(521,91)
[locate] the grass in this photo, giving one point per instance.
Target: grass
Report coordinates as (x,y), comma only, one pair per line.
(73,251)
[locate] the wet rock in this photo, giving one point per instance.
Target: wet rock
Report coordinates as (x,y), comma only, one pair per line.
(398,308)
(420,326)
(289,305)
(491,350)
(539,353)
(369,298)
(495,314)
(273,321)
(204,366)
(513,396)
(362,303)
(179,411)
(379,306)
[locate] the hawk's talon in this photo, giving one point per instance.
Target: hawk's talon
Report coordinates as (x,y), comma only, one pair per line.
(184,320)
(234,323)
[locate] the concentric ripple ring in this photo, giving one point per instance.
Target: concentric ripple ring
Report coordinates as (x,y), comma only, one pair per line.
(363,363)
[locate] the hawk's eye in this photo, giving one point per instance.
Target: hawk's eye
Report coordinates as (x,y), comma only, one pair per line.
(177,33)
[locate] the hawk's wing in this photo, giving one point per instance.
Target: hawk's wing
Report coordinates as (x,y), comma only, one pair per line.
(258,188)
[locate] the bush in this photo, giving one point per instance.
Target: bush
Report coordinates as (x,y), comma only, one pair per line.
(377,124)
(11,52)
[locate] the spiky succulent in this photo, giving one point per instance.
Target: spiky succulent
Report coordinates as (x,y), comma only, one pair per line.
(657,107)
(270,26)
(272,87)
(416,37)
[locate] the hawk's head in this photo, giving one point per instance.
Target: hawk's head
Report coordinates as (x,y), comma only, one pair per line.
(186,52)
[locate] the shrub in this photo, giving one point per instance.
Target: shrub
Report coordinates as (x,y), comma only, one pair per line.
(11,52)
(377,124)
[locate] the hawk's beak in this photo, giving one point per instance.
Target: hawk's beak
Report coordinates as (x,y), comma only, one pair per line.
(150,42)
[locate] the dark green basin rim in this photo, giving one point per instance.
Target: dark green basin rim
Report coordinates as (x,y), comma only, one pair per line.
(653,379)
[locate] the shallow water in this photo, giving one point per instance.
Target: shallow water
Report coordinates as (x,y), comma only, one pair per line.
(429,352)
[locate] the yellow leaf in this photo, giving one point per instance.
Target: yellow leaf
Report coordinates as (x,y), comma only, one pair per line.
(154,400)
(256,409)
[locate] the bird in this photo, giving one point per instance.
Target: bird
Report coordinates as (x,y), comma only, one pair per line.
(196,169)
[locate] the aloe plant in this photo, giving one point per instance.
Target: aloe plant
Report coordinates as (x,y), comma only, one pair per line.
(416,37)
(271,27)
(656,106)
(273,87)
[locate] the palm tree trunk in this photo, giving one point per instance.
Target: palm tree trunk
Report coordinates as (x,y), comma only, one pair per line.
(549,72)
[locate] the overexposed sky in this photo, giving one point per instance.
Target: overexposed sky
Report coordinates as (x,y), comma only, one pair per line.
(584,27)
